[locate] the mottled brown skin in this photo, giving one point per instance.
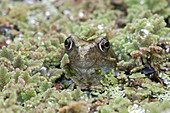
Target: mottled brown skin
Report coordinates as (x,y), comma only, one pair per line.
(87,62)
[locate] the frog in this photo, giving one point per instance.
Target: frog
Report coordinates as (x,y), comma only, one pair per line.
(89,60)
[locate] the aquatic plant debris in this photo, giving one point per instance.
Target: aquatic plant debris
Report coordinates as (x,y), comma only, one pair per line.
(35,77)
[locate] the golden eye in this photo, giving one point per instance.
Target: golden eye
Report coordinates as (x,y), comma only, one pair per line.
(69,44)
(103,46)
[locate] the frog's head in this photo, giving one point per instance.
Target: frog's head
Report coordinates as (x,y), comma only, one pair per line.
(89,59)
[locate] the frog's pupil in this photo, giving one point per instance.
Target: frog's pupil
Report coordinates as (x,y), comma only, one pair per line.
(107,44)
(102,46)
(66,42)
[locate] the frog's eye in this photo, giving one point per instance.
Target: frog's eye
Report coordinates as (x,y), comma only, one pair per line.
(103,46)
(69,44)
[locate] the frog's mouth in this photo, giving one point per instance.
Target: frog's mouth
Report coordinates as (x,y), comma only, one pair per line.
(84,64)
(83,67)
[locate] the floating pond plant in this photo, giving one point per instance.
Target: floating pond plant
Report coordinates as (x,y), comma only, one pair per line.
(129,38)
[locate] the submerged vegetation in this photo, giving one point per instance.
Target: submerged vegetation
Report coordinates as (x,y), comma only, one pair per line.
(33,75)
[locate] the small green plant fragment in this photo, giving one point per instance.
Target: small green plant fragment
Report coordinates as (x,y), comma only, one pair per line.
(19,62)
(5,77)
(7,53)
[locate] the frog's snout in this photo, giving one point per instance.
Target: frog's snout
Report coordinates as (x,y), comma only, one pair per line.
(83,52)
